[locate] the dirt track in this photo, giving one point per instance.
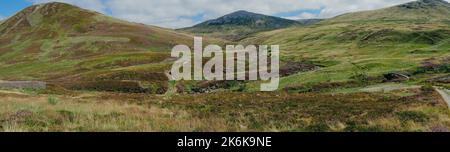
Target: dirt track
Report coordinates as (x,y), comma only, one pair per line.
(445,95)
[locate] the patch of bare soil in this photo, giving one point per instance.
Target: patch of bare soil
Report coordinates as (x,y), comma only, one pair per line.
(295,67)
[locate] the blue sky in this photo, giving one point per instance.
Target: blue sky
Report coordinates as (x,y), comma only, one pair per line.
(8,7)
(184,13)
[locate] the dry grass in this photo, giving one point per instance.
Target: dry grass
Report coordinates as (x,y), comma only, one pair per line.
(277,111)
(20,112)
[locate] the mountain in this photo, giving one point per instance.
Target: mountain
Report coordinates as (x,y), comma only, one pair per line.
(81,49)
(422,10)
(367,45)
(309,21)
(360,72)
(240,24)
(63,44)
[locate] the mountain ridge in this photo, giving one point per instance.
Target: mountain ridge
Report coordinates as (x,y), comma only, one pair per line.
(421,10)
(246,18)
(237,25)
(310,21)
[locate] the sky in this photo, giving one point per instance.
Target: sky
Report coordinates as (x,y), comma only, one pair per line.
(185,13)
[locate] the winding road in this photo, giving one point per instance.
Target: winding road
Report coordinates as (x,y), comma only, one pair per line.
(445,95)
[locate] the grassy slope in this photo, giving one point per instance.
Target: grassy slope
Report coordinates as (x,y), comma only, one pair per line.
(378,46)
(60,42)
(370,47)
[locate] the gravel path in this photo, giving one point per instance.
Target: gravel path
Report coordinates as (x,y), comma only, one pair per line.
(445,95)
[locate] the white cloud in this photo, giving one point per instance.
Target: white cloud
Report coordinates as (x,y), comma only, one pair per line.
(176,13)
(304,15)
(2,17)
(336,7)
(183,13)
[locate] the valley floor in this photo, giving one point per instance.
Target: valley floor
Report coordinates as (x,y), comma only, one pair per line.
(408,109)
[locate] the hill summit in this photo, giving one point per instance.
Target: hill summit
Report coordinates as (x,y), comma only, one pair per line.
(240,24)
(421,10)
(244,18)
(60,22)
(73,47)
(425,4)
(46,14)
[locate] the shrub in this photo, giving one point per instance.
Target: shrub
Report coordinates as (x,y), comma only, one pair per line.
(447,87)
(157,87)
(318,127)
(432,67)
(30,91)
(67,115)
(445,68)
(360,74)
(427,88)
(52,100)
(415,116)
(353,126)
(80,28)
(298,89)
(360,77)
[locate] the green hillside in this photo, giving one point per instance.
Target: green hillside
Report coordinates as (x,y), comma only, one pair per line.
(359,72)
(80,49)
(363,47)
(64,44)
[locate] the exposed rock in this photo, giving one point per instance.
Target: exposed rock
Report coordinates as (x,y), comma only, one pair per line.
(421,4)
(295,67)
(396,77)
(249,19)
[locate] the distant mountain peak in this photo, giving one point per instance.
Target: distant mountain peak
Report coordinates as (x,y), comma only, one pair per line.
(416,11)
(425,4)
(239,24)
(241,12)
(246,18)
(434,1)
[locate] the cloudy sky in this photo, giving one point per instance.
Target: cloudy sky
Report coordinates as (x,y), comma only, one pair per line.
(183,13)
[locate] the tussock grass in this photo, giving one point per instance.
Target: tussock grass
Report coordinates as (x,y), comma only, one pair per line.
(41,113)
(222,111)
